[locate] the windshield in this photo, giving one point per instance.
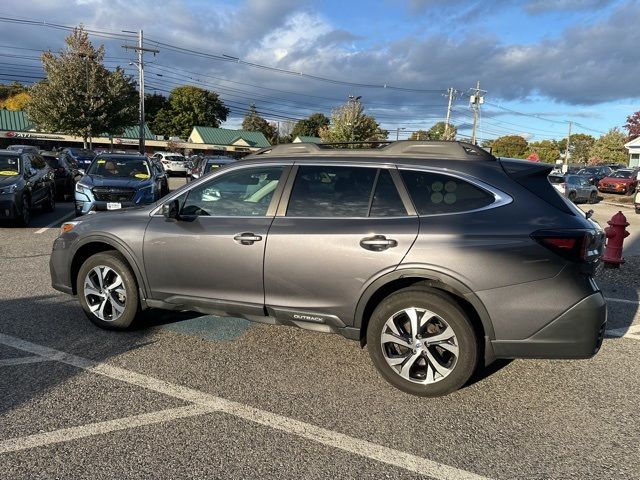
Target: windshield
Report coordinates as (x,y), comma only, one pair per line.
(81,152)
(120,168)
(589,171)
(175,158)
(9,165)
(622,174)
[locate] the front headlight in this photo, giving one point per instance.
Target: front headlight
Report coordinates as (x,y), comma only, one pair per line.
(9,189)
(84,189)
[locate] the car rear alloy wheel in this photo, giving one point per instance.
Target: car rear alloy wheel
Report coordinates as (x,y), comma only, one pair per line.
(108,291)
(422,342)
(419,345)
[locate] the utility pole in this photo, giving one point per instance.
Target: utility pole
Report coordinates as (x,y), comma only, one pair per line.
(566,152)
(452,93)
(140,49)
(398,132)
(475,100)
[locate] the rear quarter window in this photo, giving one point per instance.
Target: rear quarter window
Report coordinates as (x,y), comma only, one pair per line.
(434,193)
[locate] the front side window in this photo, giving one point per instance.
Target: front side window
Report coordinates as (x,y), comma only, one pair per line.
(246,192)
(9,165)
(331,191)
(436,193)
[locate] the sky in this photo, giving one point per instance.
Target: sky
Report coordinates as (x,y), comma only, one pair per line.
(540,63)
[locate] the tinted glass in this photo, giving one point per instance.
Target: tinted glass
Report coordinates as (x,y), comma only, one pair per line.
(52,161)
(81,152)
(242,193)
(386,199)
(121,167)
(9,165)
(556,179)
(329,191)
(434,193)
(622,174)
(38,162)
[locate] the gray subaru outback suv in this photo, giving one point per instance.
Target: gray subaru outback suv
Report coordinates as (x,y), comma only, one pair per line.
(436,255)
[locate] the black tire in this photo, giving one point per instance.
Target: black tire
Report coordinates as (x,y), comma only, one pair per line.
(25,213)
(118,264)
(572,197)
(593,198)
(443,306)
(49,205)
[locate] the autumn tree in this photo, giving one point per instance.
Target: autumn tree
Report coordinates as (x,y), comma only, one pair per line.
(439,131)
(349,123)
(310,127)
(579,147)
(16,102)
(513,146)
(633,125)
(253,122)
(547,150)
(11,89)
(419,135)
(79,96)
(609,148)
(187,107)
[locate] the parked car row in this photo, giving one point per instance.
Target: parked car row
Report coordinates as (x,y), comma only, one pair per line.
(584,185)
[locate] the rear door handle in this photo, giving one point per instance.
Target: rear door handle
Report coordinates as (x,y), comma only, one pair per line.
(377,243)
(247,238)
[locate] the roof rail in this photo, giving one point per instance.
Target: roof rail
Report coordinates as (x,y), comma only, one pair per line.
(421,148)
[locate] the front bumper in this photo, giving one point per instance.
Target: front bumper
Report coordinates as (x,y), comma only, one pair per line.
(59,266)
(8,207)
(613,188)
(577,333)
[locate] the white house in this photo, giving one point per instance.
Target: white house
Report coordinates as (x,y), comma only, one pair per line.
(634,152)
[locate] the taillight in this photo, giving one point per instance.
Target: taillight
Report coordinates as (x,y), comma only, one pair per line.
(574,245)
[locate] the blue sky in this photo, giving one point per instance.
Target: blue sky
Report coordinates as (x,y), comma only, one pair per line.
(554,60)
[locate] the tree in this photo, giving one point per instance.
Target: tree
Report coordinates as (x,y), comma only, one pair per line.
(79,95)
(285,130)
(547,150)
(419,135)
(11,89)
(609,148)
(437,132)
(310,127)
(253,122)
(349,123)
(513,146)
(189,106)
(579,147)
(153,103)
(16,102)
(633,125)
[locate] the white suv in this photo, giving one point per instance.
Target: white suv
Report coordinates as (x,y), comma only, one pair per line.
(171,162)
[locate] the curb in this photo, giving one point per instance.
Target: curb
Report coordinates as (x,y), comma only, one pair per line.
(621,205)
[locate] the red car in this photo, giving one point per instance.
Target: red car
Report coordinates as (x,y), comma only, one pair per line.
(621,181)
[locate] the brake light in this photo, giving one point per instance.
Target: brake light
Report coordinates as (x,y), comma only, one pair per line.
(574,245)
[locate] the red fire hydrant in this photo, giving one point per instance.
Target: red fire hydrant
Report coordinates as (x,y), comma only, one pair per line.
(616,233)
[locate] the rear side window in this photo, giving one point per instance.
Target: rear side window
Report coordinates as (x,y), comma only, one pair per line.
(329,191)
(435,193)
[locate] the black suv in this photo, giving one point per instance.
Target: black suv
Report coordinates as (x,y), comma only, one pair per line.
(26,181)
(437,255)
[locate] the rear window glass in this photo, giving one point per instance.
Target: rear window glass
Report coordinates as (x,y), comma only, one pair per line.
(435,193)
(556,179)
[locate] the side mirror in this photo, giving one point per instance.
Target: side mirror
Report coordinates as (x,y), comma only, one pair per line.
(171,209)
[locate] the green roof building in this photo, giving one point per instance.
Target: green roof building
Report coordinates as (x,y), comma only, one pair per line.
(229,139)
(305,139)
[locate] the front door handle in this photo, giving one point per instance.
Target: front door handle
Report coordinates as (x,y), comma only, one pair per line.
(377,243)
(247,238)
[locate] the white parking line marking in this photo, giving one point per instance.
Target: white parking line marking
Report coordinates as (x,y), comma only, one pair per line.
(632,332)
(56,223)
(99,428)
(622,300)
(22,361)
(305,430)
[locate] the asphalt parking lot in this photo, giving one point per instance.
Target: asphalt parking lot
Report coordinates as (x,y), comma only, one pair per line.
(191,396)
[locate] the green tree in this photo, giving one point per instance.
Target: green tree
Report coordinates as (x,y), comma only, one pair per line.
(609,148)
(513,146)
(253,122)
(349,123)
(153,103)
(547,150)
(189,106)
(437,132)
(419,135)
(79,95)
(310,127)
(579,147)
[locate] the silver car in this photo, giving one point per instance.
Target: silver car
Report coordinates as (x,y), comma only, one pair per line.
(436,255)
(576,188)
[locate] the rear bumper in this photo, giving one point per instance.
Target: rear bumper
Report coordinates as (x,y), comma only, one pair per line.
(577,333)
